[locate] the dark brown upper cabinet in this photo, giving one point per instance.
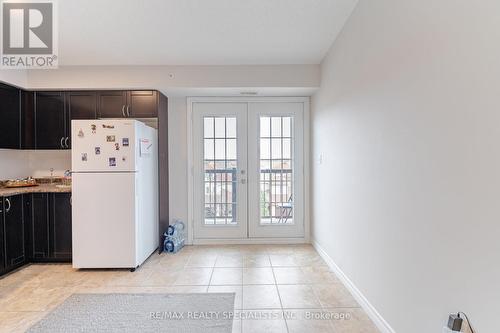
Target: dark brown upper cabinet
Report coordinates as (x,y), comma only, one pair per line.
(54,111)
(79,105)
(111,104)
(82,104)
(27,119)
(50,120)
(127,104)
(142,104)
(42,119)
(10,117)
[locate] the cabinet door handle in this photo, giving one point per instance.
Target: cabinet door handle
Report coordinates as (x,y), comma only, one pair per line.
(7,201)
(123,110)
(128,112)
(62,139)
(66,142)
(71,200)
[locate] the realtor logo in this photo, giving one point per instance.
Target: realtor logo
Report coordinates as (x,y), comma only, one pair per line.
(29,34)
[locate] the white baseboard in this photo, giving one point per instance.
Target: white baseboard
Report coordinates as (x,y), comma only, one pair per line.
(249,241)
(377,319)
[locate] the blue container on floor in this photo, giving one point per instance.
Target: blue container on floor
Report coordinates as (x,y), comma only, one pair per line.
(174,237)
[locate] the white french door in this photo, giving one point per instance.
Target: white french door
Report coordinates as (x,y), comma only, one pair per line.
(276,184)
(248,163)
(220,166)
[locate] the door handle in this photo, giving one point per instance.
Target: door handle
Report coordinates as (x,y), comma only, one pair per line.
(66,142)
(128,110)
(7,201)
(71,200)
(123,110)
(62,139)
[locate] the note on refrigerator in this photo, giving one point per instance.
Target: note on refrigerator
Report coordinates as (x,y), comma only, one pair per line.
(145,146)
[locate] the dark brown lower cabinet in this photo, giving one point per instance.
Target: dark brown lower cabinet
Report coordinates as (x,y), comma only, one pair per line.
(2,239)
(60,226)
(13,227)
(12,236)
(37,215)
(34,227)
(49,237)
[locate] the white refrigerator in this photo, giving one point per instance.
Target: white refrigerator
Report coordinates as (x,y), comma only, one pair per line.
(114,193)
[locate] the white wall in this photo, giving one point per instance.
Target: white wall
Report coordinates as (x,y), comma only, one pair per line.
(407,198)
(41,161)
(14,76)
(35,163)
(159,77)
(177,158)
(14,164)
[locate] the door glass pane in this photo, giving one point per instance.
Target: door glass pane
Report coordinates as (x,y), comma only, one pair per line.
(231,149)
(265,127)
(220,166)
(287,127)
(220,149)
(208,124)
(231,128)
(265,148)
(276,173)
(287,148)
(220,127)
(276,127)
(276,148)
(209,150)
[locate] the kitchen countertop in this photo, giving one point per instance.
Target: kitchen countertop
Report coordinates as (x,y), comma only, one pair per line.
(41,188)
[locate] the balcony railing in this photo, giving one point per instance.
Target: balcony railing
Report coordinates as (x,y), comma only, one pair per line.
(272,209)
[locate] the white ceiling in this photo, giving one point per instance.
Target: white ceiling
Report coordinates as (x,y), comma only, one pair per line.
(198,32)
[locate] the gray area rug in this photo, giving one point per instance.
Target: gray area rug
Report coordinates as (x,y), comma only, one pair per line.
(186,313)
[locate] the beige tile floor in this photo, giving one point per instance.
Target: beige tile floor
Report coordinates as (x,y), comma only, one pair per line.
(279,288)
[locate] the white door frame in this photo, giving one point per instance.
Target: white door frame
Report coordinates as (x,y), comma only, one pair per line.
(191,182)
